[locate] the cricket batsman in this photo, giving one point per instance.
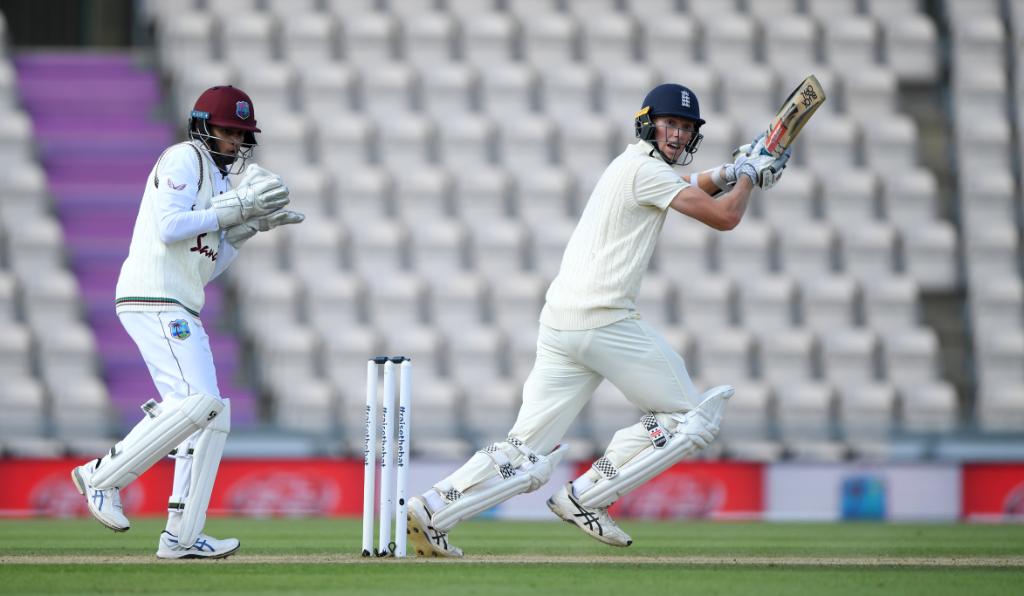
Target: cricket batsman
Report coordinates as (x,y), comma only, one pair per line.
(190,225)
(590,330)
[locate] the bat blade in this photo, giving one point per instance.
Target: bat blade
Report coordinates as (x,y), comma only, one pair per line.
(796,110)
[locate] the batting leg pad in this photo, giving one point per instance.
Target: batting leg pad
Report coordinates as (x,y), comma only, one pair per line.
(163,428)
(692,432)
(517,470)
(209,447)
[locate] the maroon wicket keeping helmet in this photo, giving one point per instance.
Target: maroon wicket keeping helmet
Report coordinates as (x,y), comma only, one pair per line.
(227,107)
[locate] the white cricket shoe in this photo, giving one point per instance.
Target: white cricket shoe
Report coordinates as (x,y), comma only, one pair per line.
(427,541)
(595,522)
(104,505)
(205,547)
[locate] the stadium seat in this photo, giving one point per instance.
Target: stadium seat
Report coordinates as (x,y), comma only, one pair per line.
(423,194)
(448,89)
(490,410)
(996,304)
(657,302)
(728,40)
(477,356)
(437,415)
(979,90)
(308,406)
(911,47)
(829,302)
(544,195)
(510,90)
(851,42)
(329,89)
(586,144)
(273,87)
(549,241)
(891,303)
(288,355)
(526,143)
(722,136)
(426,346)
(767,303)
(428,37)
(483,195)
(572,88)
(380,247)
(849,355)
(369,38)
(831,144)
(23,401)
(460,301)
(286,141)
(991,252)
(807,251)
(669,42)
(407,139)
(750,96)
(268,302)
(500,247)
(52,301)
(336,302)
(792,41)
(67,356)
(550,39)
(249,36)
(868,250)
(81,409)
(440,247)
(517,301)
(35,248)
(186,39)
(984,199)
(15,138)
(850,198)
(724,355)
(833,9)
(467,143)
(707,305)
(866,411)
(488,38)
(748,250)
(998,358)
(683,250)
(396,302)
(364,194)
(910,356)
(346,350)
(910,198)
(608,38)
(294,9)
(803,412)
(746,433)
(978,39)
(930,255)
(9,297)
(999,409)
(623,91)
(930,407)
(984,143)
(893,147)
(786,355)
(870,95)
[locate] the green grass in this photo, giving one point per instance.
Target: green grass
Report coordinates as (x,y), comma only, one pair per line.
(513,555)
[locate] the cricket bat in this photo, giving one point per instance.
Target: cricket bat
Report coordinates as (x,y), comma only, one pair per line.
(793,115)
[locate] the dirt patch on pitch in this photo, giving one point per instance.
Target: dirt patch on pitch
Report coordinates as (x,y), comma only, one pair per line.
(344,559)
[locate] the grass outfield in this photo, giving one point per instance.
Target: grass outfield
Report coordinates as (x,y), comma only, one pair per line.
(525,559)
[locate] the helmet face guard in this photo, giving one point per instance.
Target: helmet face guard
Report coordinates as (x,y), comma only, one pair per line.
(226,107)
(669,100)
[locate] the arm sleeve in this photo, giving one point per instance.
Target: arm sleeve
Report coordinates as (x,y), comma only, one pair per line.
(656,184)
(174,199)
(225,256)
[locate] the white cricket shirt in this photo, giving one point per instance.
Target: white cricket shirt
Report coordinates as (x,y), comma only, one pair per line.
(608,252)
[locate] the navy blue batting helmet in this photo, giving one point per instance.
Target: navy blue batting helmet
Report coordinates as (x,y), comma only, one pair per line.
(669,99)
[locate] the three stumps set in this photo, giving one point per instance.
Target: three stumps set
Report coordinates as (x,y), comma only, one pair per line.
(391,422)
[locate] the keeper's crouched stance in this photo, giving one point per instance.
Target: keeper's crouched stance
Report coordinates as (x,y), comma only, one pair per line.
(590,331)
(190,226)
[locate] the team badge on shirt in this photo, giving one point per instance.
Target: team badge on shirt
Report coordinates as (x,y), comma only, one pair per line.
(179,329)
(175,186)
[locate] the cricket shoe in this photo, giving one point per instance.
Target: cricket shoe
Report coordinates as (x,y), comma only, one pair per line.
(595,522)
(104,505)
(428,541)
(205,547)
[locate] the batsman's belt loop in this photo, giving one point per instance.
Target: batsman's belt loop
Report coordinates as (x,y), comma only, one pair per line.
(657,433)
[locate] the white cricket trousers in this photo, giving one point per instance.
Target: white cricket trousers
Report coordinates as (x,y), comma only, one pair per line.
(177,352)
(569,367)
